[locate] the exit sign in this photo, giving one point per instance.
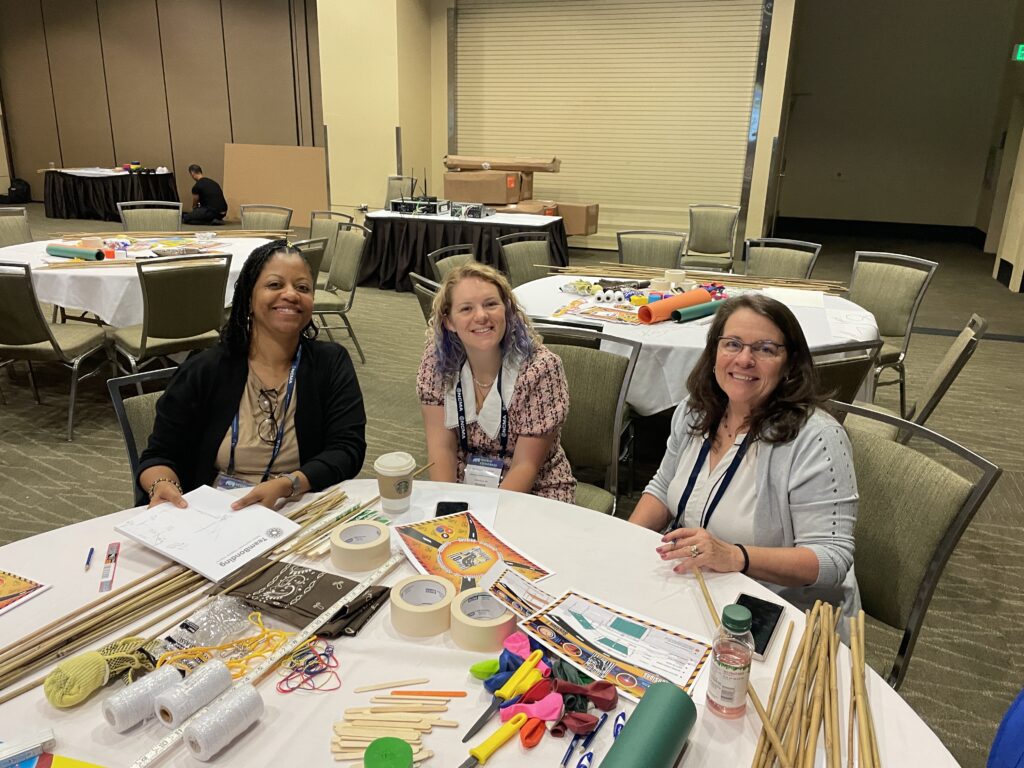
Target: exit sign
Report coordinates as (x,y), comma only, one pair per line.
(1018,52)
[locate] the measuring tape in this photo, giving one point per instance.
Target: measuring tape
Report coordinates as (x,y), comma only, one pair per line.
(167,742)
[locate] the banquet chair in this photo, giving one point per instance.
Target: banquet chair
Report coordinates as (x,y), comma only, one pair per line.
(712,234)
(313,250)
(449,257)
(150,216)
(397,188)
(340,290)
(326,224)
(591,436)
(182,309)
(14,229)
(26,335)
(656,248)
(135,416)
(840,378)
(911,513)
(891,286)
(425,291)
(775,257)
(525,254)
(270,218)
(956,357)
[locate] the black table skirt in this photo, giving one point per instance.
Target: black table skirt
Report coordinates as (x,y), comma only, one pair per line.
(96,197)
(399,246)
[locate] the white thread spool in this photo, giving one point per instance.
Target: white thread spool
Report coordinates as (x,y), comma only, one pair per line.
(609,296)
(133,704)
(599,297)
(225,720)
(619,296)
(175,706)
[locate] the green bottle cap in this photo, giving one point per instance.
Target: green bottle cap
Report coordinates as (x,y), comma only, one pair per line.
(736,618)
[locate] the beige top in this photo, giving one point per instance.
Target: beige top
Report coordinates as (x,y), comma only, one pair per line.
(252,453)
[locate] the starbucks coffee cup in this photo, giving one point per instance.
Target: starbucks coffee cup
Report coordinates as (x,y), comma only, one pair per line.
(394,479)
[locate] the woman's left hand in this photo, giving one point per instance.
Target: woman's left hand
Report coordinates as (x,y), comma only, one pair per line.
(267,493)
(696,548)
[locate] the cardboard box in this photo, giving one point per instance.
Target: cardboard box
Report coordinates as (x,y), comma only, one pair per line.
(527,164)
(535,207)
(579,218)
(491,187)
(526,190)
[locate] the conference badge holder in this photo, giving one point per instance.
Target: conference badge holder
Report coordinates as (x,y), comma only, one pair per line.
(226,482)
(483,471)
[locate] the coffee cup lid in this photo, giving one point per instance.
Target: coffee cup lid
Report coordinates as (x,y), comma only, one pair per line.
(395,463)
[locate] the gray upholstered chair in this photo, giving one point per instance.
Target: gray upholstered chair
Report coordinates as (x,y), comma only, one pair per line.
(591,436)
(337,296)
(313,250)
(270,218)
(14,229)
(658,248)
(911,514)
(891,286)
(956,357)
(397,188)
(425,291)
(26,335)
(775,257)
(150,216)
(449,257)
(326,224)
(135,416)
(842,368)
(182,309)
(525,254)
(711,236)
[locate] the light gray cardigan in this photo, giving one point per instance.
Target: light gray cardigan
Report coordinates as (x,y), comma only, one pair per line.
(806,497)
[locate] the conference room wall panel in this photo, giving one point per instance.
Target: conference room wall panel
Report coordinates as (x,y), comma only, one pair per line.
(79,85)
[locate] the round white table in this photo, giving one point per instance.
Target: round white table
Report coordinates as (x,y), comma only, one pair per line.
(111,293)
(670,350)
(604,557)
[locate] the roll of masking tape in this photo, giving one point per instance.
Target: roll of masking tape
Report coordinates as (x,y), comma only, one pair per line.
(421,605)
(480,622)
(360,545)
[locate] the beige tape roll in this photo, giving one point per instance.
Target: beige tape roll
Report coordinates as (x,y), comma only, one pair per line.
(480,622)
(421,605)
(360,545)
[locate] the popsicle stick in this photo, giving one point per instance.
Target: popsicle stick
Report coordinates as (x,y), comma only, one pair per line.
(432,694)
(391,684)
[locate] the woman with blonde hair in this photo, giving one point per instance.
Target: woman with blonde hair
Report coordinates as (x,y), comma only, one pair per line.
(494,398)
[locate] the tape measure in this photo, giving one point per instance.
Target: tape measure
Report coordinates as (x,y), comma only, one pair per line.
(154,753)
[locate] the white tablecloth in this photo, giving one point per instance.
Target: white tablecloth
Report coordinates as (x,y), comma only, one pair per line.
(670,350)
(113,294)
(605,557)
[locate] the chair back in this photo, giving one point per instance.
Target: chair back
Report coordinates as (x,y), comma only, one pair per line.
(425,291)
(21,318)
(326,224)
(449,257)
(525,254)
(550,329)
(313,250)
(658,248)
(14,229)
(712,228)
(890,286)
(150,216)
(775,257)
(348,256)
(273,218)
(135,415)
(911,514)
(949,368)
(167,283)
(842,368)
(397,188)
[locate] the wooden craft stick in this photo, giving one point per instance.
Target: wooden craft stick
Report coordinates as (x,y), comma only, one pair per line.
(432,694)
(408,707)
(408,700)
(391,684)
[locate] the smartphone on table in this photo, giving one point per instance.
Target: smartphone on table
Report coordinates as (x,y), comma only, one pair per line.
(449,508)
(767,616)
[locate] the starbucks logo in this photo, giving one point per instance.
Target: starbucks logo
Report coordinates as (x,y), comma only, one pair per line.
(402,487)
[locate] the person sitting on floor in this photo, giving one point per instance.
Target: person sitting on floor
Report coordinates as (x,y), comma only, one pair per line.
(208,203)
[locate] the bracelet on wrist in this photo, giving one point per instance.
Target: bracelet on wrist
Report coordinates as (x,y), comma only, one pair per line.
(155,483)
(746,558)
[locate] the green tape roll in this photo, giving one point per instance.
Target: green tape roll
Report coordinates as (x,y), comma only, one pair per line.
(695,312)
(656,732)
(388,752)
(67,252)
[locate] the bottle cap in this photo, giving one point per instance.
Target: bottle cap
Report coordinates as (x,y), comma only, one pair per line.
(736,618)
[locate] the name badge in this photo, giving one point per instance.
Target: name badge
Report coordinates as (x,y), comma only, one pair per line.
(226,482)
(483,471)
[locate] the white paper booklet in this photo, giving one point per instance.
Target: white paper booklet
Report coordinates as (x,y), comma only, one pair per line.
(208,536)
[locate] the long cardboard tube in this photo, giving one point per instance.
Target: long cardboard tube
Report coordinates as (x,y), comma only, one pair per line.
(660,311)
(69,252)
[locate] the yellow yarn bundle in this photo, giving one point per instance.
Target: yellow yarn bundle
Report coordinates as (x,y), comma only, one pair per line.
(238,655)
(73,681)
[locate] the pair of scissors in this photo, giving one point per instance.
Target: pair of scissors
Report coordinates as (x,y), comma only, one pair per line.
(521,681)
(481,753)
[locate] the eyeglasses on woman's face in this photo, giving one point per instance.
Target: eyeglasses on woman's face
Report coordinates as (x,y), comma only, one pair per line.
(268,427)
(762,350)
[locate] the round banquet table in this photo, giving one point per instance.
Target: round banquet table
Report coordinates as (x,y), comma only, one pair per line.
(586,551)
(670,350)
(111,293)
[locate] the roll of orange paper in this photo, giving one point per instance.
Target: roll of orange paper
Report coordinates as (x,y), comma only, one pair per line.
(660,311)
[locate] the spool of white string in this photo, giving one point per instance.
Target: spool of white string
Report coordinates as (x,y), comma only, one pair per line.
(226,719)
(130,706)
(175,706)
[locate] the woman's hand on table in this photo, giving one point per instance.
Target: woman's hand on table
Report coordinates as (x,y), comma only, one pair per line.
(162,485)
(271,492)
(696,548)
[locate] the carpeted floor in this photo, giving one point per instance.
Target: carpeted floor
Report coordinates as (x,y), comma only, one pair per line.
(964,672)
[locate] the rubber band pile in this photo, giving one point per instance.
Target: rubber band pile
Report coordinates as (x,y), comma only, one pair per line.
(310,661)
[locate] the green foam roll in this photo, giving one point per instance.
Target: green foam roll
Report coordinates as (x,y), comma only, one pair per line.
(388,752)
(695,312)
(68,252)
(656,732)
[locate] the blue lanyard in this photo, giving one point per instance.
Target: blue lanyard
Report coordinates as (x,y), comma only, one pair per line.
(280,429)
(460,407)
(705,449)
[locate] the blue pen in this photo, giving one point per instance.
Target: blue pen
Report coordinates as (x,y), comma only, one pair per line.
(88,558)
(585,760)
(572,748)
(620,723)
(587,741)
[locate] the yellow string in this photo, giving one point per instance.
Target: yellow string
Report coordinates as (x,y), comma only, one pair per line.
(238,655)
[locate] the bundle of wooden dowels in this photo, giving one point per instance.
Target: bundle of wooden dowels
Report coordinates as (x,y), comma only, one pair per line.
(273,234)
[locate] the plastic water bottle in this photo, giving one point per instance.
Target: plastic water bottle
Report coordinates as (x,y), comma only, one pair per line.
(731,653)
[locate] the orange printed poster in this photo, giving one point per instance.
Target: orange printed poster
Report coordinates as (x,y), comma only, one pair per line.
(15,589)
(463,550)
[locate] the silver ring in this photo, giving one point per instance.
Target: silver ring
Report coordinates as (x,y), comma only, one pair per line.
(694,552)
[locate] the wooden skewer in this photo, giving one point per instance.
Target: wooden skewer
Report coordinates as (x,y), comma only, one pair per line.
(761,738)
(837,739)
(811,741)
(392,684)
(876,760)
(863,735)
